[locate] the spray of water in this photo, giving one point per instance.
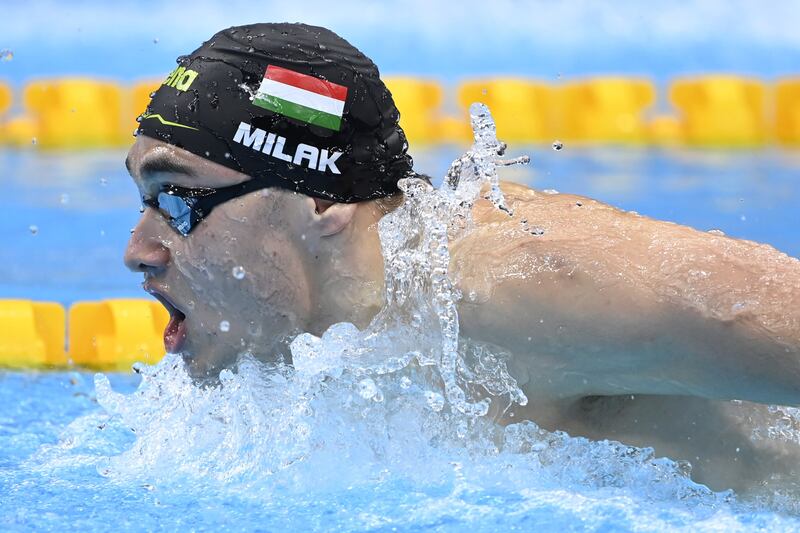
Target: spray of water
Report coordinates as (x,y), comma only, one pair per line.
(419,322)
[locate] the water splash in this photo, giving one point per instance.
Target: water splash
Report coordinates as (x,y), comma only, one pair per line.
(270,434)
(784,426)
(419,321)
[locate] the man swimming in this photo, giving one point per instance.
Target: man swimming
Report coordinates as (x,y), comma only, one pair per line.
(265,161)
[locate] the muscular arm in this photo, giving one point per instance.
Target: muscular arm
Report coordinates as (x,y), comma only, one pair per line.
(594,300)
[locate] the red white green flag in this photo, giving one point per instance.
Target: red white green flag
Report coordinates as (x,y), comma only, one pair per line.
(302,97)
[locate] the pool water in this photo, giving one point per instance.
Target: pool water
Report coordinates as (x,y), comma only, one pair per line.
(337,444)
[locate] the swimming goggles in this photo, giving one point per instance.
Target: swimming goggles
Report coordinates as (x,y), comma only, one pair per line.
(184,208)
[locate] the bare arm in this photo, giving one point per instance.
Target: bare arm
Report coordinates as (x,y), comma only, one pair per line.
(594,300)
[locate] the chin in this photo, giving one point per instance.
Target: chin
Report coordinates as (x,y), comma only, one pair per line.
(206,364)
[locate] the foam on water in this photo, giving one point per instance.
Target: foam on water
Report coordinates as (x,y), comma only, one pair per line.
(392,426)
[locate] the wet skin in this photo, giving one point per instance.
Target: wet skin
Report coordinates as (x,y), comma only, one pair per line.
(619,326)
(622,327)
(274,235)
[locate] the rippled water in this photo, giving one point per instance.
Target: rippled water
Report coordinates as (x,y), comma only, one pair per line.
(378,429)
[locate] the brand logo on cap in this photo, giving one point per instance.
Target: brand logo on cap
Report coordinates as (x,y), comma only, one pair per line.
(302,97)
(273,145)
(181,78)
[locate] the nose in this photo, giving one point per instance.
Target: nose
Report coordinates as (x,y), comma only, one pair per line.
(145,251)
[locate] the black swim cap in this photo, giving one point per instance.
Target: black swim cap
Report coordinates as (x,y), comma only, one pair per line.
(295,105)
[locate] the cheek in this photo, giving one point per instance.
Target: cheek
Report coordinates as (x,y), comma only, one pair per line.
(247,274)
(281,277)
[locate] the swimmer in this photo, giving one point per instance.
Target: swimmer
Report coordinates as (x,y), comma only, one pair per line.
(264,162)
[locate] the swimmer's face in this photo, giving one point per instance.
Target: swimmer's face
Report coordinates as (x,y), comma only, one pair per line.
(238,281)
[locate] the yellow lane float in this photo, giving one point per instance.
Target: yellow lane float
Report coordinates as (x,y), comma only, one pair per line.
(420,103)
(76,112)
(721,111)
(787,111)
(31,334)
(522,109)
(5,98)
(114,334)
(714,110)
(605,110)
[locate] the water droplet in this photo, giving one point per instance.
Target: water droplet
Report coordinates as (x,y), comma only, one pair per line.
(224,326)
(367,388)
(743,218)
(238,272)
(227,155)
(435,400)
(132,230)
(405,383)
(34,229)
(141,209)
(103,182)
(155,40)
(102,233)
(254,329)
(34,140)
(64,199)
(558,145)
(6,55)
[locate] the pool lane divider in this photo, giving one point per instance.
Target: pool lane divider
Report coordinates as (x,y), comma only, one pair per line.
(706,110)
(31,334)
(105,335)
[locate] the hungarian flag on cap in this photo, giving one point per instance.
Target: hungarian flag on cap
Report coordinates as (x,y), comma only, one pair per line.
(302,97)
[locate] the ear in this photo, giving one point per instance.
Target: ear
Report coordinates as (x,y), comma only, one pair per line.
(330,218)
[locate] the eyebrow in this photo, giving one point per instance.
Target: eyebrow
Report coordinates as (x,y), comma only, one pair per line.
(161,164)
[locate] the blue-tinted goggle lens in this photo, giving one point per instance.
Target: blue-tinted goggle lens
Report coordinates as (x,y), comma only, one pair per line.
(178,211)
(184,208)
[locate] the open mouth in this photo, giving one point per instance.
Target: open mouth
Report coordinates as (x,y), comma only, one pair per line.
(175,332)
